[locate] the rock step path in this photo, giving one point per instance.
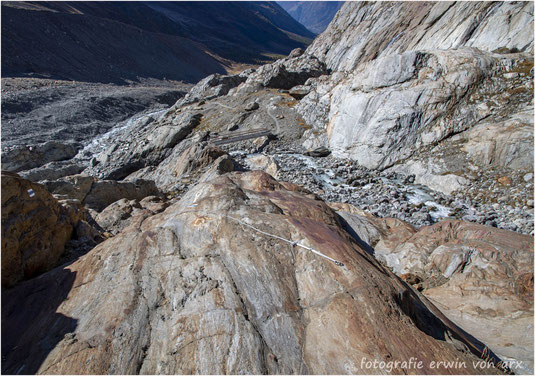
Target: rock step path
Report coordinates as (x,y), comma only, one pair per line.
(231,137)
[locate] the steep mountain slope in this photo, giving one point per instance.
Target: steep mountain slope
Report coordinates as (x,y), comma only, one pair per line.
(239,31)
(315,15)
(365,31)
(412,74)
(117,41)
(277,15)
(83,47)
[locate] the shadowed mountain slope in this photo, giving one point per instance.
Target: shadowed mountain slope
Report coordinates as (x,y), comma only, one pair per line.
(117,41)
(315,15)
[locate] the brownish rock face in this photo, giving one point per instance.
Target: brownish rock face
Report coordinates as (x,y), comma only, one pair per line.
(204,288)
(35,228)
(480,277)
(505,180)
(124,213)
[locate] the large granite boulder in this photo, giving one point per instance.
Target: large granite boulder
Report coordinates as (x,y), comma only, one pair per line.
(210,285)
(35,229)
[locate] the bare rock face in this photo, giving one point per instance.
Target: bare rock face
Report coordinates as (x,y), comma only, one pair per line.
(361,32)
(18,158)
(98,194)
(389,108)
(201,288)
(197,157)
(211,87)
(435,90)
(35,229)
(285,73)
(147,144)
(480,277)
(484,279)
(124,213)
(187,162)
(504,144)
(52,171)
(104,192)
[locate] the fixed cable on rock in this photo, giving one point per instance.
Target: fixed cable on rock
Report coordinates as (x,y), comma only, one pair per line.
(293,244)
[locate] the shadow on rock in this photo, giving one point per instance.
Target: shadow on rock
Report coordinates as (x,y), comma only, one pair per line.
(362,244)
(430,320)
(31,327)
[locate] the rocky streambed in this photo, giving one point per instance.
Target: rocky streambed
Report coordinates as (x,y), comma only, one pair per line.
(391,194)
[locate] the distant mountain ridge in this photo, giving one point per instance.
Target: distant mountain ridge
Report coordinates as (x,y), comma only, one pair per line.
(118,41)
(314,15)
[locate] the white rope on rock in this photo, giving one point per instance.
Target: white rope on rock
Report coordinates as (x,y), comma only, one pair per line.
(292,243)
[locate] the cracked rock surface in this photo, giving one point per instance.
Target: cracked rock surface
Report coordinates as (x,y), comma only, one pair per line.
(191,290)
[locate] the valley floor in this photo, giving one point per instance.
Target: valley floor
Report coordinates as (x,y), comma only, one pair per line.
(36,110)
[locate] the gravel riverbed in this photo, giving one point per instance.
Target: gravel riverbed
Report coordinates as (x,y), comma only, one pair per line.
(387,194)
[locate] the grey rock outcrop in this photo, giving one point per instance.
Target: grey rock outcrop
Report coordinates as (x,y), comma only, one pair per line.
(98,194)
(503,144)
(192,290)
(361,31)
(211,87)
(389,108)
(52,171)
(19,158)
(145,145)
(186,164)
(123,213)
(285,73)
(407,78)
